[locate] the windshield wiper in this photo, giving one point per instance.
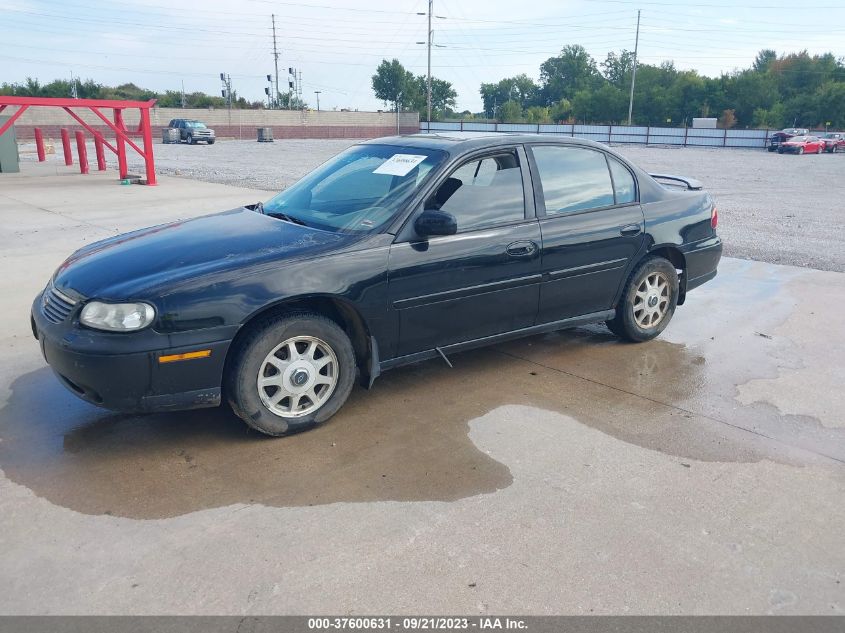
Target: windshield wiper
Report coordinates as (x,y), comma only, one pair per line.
(285,217)
(259,207)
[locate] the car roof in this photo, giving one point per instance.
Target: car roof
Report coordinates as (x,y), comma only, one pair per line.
(461,142)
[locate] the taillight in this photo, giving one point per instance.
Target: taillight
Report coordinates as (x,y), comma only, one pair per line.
(714,217)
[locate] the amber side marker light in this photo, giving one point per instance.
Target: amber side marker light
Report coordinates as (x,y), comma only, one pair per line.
(172,358)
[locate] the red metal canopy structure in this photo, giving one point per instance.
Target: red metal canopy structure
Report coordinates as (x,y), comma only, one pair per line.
(116,124)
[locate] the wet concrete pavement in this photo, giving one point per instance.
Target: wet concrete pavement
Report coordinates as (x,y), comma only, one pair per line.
(568,473)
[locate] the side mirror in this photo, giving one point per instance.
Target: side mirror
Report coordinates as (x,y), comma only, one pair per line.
(435,222)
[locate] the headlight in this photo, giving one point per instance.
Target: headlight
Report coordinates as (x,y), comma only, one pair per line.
(118,317)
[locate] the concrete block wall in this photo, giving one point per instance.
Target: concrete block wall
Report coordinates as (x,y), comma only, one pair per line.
(239,124)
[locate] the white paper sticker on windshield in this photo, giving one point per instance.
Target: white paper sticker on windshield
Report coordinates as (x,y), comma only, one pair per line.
(399,164)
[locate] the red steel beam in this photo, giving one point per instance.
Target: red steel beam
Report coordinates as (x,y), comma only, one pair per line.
(82,103)
(119,128)
(89,128)
(122,134)
(12,119)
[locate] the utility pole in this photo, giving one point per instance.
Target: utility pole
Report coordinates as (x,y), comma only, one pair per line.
(428,77)
(275,59)
(317,92)
(73,93)
(634,73)
(183,94)
(299,91)
(227,92)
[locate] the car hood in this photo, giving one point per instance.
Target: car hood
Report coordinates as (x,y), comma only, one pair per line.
(147,262)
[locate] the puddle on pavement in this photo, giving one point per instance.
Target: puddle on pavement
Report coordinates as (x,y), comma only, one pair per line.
(406,440)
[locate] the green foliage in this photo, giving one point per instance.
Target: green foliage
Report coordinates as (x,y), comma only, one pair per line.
(521,89)
(797,89)
(394,84)
(89,89)
(510,112)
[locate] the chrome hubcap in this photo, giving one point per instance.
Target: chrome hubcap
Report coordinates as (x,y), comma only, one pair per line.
(297,377)
(651,301)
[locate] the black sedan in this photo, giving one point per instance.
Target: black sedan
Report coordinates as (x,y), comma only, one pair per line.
(397,250)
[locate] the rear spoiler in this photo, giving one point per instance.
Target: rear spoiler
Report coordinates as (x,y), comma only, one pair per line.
(690,183)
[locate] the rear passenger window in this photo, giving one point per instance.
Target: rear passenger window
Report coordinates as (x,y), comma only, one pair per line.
(623,182)
(573,178)
(483,192)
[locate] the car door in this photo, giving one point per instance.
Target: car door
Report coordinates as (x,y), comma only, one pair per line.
(591,224)
(482,281)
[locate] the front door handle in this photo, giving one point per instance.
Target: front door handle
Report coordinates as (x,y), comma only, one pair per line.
(630,229)
(522,248)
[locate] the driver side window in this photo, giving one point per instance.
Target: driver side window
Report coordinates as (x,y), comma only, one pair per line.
(483,192)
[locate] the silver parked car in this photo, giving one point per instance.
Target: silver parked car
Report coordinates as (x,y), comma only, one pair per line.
(192,131)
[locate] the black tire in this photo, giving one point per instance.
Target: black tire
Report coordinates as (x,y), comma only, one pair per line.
(833,150)
(211,142)
(771,149)
(625,324)
(780,151)
(800,150)
(190,139)
(242,372)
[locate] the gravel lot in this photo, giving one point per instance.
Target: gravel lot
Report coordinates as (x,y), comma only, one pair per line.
(775,208)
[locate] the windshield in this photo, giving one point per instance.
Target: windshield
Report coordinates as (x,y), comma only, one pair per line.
(358,190)
(194,124)
(798,139)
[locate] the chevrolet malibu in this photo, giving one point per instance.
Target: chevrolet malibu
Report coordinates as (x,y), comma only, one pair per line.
(397,250)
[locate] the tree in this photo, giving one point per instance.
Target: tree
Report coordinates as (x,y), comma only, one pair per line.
(764,60)
(443,97)
(394,84)
(573,70)
(521,89)
(727,120)
(510,112)
(618,68)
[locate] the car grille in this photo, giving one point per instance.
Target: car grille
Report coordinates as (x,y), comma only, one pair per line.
(56,306)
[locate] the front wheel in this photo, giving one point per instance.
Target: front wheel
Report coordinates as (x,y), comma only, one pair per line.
(648,301)
(800,150)
(290,374)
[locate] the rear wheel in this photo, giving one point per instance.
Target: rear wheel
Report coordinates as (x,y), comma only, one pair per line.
(800,150)
(290,374)
(648,301)
(833,150)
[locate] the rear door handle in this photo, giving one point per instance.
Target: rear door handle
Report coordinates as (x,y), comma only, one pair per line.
(523,248)
(630,229)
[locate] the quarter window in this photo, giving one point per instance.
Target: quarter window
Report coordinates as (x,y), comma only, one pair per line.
(573,178)
(483,192)
(623,182)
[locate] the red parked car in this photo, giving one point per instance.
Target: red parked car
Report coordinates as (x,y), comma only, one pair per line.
(802,145)
(834,142)
(784,135)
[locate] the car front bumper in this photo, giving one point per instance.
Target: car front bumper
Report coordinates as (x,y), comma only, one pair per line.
(124,372)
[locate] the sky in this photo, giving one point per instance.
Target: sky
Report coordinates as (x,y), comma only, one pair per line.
(337,44)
